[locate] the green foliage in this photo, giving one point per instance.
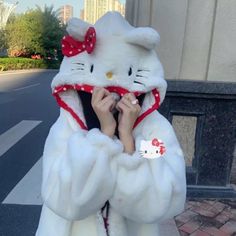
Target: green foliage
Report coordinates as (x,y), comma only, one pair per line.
(37,31)
(3,42)
(18,63)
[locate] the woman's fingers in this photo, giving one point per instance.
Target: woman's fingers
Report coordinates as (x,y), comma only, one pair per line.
(107,103)
(98,94)
(118,108)
(130,96)
(104,100)
(122,107)
(127,100)
(128,113)
(128,103)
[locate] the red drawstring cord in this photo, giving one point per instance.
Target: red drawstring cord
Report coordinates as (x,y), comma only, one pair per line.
(105,219)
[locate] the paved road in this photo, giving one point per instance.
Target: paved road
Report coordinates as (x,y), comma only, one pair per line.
(27,111)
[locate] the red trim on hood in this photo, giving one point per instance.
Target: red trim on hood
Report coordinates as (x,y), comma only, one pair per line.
(62,104)
(154,107)
(89,88)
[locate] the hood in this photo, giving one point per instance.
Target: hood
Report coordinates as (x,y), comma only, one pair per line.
(110,54)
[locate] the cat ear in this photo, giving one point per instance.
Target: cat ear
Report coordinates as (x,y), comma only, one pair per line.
(143,36)
(77,28)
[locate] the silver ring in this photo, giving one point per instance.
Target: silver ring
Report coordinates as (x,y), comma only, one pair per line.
(134,101)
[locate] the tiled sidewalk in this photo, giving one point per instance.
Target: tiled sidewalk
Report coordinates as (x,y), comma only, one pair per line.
(208,217)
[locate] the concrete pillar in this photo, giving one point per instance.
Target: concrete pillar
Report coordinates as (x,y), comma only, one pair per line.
(223,51)
(197,40)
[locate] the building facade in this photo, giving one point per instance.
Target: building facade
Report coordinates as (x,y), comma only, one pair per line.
(94,9)
(65,13)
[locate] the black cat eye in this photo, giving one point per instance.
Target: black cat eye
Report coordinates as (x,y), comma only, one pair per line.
(156,151)
(130,71)
(91,68)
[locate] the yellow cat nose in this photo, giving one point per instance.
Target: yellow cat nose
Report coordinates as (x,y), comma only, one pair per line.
(109,75)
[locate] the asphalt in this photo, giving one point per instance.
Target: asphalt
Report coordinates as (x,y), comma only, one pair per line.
(19,102)
(24,95)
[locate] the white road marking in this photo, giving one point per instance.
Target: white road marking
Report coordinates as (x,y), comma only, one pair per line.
(14,134)
(26,87)
(28,190)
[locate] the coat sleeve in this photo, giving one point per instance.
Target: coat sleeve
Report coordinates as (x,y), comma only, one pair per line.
(149,190)
(78,175)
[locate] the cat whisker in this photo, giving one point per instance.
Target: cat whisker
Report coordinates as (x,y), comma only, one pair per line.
(137,82)
(78,69)
(77,63)
(141,76)
(143,70)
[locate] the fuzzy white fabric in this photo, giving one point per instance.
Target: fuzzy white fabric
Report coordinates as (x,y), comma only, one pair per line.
(83,169)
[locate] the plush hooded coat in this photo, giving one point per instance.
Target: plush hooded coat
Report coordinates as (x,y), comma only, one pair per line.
(83,168)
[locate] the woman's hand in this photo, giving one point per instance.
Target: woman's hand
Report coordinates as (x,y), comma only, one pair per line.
(103,102)
(128,114)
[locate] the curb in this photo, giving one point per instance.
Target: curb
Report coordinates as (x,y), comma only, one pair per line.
(27,71)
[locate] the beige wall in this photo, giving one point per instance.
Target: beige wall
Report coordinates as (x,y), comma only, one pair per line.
(198,37)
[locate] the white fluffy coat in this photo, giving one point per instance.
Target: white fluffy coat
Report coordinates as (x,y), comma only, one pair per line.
(83,169)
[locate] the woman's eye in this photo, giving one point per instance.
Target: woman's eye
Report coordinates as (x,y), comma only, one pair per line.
(130,71)
(91,68)
(145,151)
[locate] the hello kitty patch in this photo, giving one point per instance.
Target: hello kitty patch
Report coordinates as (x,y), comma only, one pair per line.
(152,149)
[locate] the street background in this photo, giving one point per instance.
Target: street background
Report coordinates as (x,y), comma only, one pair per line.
(27,111)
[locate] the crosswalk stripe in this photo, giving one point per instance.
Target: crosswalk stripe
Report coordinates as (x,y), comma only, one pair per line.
(28,190)
(14,134)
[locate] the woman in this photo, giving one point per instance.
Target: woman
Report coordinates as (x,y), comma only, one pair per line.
(111,164)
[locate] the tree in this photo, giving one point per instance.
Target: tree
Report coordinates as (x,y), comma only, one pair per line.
(23,34)
(51,39)
(3,43)
(35,32)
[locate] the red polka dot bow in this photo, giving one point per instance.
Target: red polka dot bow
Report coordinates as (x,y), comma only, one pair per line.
(72,47)
(156,142)
(160,144)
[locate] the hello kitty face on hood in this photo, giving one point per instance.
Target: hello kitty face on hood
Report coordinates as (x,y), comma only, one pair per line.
(152,149)
(111,54)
